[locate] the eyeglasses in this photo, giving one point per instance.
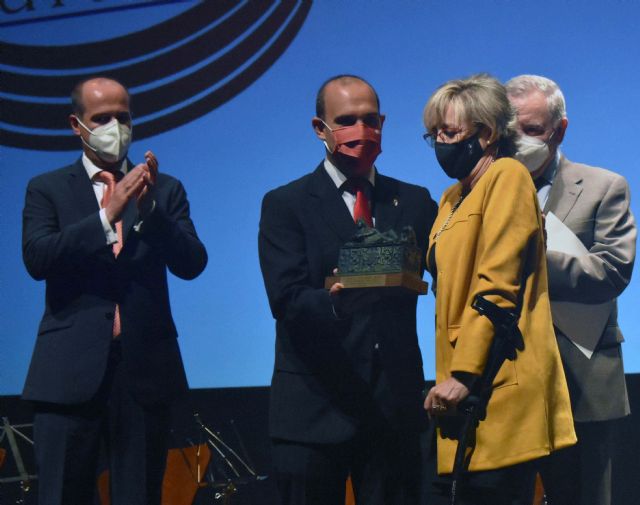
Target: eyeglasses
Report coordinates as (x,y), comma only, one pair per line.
(451,135)
(430,138)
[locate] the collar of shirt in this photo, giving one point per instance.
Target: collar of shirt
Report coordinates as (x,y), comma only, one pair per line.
(111,234)
(339,178)
(550,173)
(547,176)
(92,169)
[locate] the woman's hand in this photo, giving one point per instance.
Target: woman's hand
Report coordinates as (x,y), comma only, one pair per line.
(443,398)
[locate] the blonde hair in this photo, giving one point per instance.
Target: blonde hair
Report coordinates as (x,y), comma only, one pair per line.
(478,99)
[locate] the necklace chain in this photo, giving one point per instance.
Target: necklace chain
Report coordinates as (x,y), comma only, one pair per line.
(446,222)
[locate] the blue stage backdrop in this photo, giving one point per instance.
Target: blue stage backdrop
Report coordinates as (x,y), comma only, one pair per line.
(223,93)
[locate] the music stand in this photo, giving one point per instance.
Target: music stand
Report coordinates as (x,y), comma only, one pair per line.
(10,432)
(227,471)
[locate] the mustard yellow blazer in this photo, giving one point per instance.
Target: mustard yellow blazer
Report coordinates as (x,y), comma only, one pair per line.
(493,245)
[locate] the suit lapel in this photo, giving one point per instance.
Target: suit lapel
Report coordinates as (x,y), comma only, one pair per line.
(387,203)
(130,214)
(85,201)
(565,190)
(128,219)
(83,196)
(330,204)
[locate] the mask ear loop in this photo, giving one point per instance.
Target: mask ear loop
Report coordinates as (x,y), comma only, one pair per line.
(91,131)
(88,131)
(332,130)
(326,125)
(324,141)
(83,125)
(327,147)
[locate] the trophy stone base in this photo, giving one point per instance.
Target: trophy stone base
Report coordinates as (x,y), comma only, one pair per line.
(404,281)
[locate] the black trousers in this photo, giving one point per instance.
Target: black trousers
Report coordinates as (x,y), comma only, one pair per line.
(385,468)
(385,462)
(68,441)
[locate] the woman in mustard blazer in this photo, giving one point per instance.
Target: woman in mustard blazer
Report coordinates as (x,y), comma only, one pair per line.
(488,240)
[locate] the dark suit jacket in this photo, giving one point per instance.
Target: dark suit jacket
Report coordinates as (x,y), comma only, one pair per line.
(595,204)
(64,244)
(320,390)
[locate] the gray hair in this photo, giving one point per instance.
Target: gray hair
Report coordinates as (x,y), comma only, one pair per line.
(479,98)
(522,85)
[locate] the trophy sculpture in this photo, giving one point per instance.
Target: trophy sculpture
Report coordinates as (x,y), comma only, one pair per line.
(372,259)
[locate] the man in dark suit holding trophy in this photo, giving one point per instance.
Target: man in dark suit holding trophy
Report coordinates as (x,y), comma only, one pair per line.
(347,381)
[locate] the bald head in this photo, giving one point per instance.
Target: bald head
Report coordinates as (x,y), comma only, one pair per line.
(339,80)
(97,102)
(94,87)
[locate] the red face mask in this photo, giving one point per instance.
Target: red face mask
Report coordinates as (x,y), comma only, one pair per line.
(366,149)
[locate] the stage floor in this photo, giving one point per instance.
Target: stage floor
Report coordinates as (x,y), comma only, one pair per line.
(239,416)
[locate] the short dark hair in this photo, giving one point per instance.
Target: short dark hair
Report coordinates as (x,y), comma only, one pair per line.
(345,79)
(77,106)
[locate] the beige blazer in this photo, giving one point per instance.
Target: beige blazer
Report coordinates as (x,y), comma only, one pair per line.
(595,204)
(493,245)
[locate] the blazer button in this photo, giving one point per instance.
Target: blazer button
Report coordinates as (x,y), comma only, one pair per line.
(109,316)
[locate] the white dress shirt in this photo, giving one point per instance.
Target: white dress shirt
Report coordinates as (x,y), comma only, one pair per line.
(339,179)
(98,188)
(549,175)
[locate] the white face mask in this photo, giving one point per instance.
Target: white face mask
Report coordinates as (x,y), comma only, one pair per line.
(532,152)
(110,141)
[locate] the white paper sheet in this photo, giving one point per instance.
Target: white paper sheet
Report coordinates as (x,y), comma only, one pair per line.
(583,323)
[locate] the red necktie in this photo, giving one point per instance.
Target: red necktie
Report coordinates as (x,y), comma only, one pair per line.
(362,207)
(109,180)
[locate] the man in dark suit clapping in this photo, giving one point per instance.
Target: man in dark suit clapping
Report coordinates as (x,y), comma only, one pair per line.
(106,365)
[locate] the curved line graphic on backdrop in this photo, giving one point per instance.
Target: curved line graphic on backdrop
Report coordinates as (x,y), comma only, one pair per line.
(261,31)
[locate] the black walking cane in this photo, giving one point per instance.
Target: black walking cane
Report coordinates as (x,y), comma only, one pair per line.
(506,340)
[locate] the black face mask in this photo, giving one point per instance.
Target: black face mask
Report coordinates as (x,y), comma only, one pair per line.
(458,159)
